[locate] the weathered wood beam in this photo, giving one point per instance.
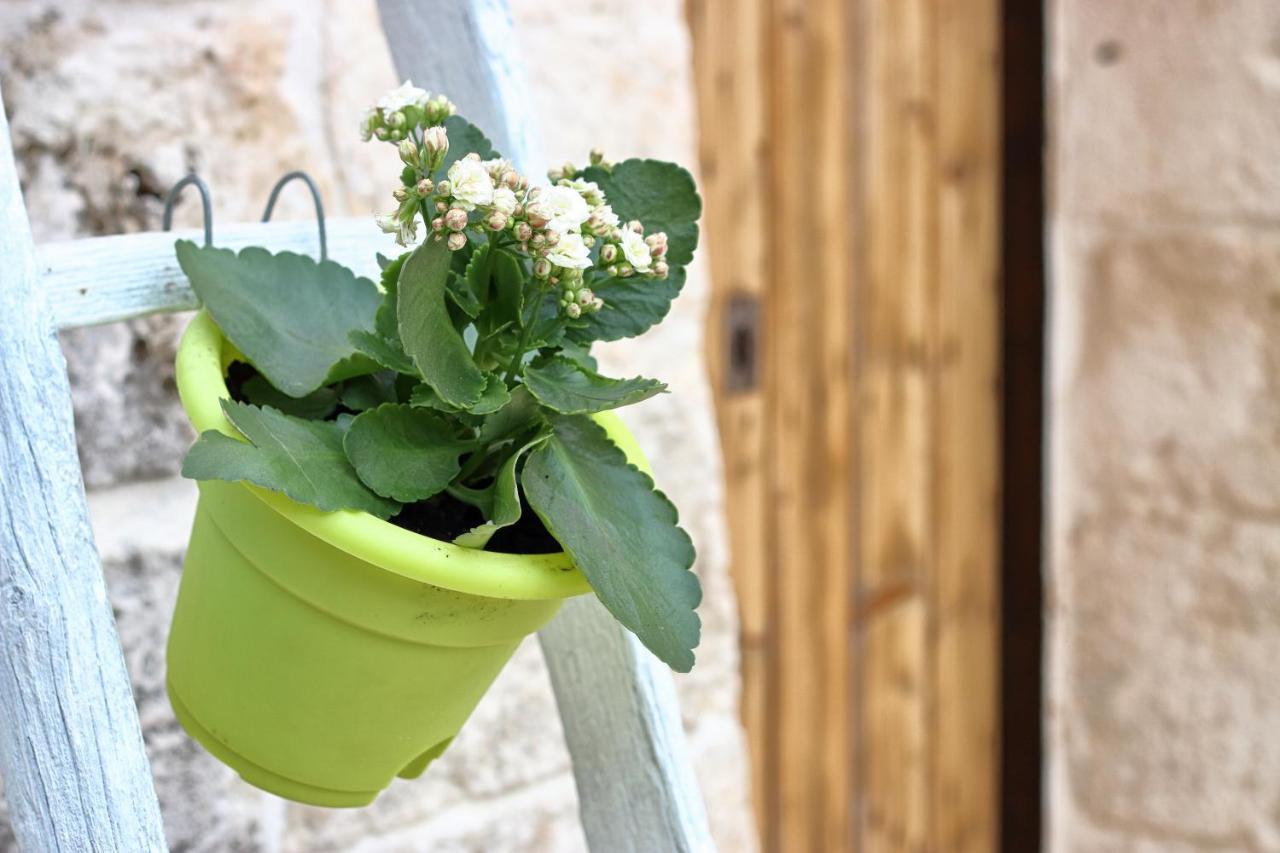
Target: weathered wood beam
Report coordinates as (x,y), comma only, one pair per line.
(71,754)
(636,786)
(106,279)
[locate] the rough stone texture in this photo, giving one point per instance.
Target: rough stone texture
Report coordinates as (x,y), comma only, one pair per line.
(1165,504)
(110,103)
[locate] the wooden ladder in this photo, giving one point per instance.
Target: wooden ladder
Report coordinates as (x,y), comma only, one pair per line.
(71,751)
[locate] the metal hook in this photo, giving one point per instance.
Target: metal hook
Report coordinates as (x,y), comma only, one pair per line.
(315,196)
(206,205)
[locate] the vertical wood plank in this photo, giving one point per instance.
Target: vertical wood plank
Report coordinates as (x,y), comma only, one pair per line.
(897,220)
(730,76)
(876,450)
(966,596)
(71,754)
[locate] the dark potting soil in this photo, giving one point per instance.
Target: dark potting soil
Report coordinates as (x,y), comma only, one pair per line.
(442,517)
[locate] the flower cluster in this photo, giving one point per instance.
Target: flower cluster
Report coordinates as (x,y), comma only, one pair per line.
(568,231)
(402,110)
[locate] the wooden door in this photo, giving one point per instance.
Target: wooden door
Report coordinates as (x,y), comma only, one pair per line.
(850,164)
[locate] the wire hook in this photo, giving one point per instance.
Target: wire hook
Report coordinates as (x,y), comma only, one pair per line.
(206,205)
(315,196)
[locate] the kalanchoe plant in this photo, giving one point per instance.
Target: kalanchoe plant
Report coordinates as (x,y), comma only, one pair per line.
(467,374)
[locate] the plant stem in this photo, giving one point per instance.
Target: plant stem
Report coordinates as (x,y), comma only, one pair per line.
(526,331)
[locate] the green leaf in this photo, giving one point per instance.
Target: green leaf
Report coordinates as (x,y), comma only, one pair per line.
(512,419)
(579,354)
(290,316)
(316,406)
(303,459)
(661,195)
(503,497)
(493,398)
(622,534)
(464,138)
(386,352)
(461,294)
(428,335)
(632,306)
(404,453)
(567,387)
(370,391)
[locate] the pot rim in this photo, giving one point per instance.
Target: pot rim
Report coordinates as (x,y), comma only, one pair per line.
(202,358)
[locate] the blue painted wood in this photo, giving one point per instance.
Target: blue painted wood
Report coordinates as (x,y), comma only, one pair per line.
(71,755)
(636,786)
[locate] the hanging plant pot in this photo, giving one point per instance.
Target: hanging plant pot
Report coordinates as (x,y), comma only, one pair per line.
(320,655)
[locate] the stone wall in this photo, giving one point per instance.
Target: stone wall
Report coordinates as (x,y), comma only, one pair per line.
(110,103)
(1164,692)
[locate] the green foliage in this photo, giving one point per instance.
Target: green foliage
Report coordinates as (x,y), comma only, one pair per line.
(290,316)
(664,198)
(404,453)
(500,502)
(429,337)
(565,386)
(301,458)
(622,534)
(465,373)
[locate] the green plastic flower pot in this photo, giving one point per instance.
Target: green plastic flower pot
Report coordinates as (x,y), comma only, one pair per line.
(320,655)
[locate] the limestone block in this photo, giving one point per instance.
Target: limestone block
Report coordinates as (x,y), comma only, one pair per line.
(1166,109)
(1165,542)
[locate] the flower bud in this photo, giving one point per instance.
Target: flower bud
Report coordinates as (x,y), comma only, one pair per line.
(523,231)
(441,207)
(456,241)
(568,295)
(553,237)
(539,240)
(542,268)
(609,253)
(634,225)
(555,174)
(511,180)
(395,134)
(400,194)
(444,188)
(574,310)
(396,119)
(570,171)
(437,224)
(596,304)
(626,270)
(424,187)
(472,156)
(537,217)
(596,156)
(455,220)
(435,140)
(585,297)
(612,270)
(660,269)
(382,133)
(496,221)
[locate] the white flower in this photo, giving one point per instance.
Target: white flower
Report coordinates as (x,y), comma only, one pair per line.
(504,201)
(407,95)
(603,219)
(471,183)
(391,223)
(570,252)
(636,250)
(589,190)
(564,208)
(366,124)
